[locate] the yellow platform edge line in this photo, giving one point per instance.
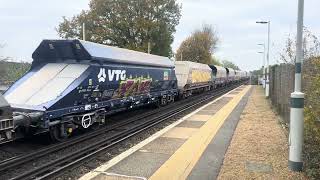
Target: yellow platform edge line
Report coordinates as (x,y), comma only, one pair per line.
(181,163)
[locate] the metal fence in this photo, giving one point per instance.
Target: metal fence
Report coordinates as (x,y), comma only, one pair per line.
(282,85)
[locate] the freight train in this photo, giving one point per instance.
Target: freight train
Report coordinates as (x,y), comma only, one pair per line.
(74,84)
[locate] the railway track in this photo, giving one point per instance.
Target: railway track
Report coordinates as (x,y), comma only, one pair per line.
(21,159)
(121,131)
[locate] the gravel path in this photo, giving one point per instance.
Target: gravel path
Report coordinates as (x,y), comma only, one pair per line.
(259,147)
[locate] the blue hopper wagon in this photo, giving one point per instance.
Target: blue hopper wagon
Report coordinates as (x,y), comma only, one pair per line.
(75,84)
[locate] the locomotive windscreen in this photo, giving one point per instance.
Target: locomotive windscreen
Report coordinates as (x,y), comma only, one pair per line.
(46,84)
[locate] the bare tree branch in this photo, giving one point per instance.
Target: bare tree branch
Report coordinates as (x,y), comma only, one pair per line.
(311,47)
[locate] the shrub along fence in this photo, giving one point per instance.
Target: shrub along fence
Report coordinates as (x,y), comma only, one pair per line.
(281,86)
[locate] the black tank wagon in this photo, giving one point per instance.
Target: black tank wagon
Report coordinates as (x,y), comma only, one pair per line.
(75,84)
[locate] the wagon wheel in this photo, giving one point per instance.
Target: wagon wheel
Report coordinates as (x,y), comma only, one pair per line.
(56,135)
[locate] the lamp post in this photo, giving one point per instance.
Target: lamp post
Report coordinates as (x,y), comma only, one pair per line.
(263,65)
(267,80)
(181,54)
(297,102)
(84,31)
(263,71)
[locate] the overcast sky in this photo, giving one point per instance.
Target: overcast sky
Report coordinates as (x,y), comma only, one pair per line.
(23,24)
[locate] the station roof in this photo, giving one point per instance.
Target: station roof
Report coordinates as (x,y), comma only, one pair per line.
(61,50)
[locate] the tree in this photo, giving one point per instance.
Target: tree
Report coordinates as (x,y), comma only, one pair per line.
(127,24)
(2,67)
(11,71)
(311,47)
(2,70)
(229,64)
(199,47)
(215,61)
(1,57)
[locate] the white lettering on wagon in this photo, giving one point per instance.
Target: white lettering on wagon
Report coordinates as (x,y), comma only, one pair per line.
(102,75)
(118,74)
(112,75)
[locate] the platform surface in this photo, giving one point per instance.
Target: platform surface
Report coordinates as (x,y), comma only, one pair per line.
(191,148)
(259,146)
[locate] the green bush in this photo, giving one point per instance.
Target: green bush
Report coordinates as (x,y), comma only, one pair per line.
(312,120)
(312,144)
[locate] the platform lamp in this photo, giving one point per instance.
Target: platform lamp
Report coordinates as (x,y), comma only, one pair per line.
(84,31)
(263,71)
(264,62)
(297,102)
(267,80)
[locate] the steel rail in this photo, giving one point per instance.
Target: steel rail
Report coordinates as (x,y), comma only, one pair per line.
(18,160)
(21,159)
(54,168)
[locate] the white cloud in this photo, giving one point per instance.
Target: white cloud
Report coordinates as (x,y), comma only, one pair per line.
(235,22)
(25,23)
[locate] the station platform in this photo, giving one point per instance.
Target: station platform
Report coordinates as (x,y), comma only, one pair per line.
(197,146)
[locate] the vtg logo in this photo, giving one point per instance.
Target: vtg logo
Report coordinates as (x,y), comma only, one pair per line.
(112,74)
(102,75)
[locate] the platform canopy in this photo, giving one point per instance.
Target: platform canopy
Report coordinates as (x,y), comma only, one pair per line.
(61,50)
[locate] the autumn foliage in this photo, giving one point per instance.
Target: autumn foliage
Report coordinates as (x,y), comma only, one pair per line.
(127,24)
(199,46)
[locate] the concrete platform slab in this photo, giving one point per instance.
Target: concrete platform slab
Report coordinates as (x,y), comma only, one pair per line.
(210,113)
(182,162)
(198,117)
(259,167)
(216,106)
(234,93)
(180,132)
(139,164)
(230,95)
(111,176)
(208,166)
(192,124)
(163,145)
